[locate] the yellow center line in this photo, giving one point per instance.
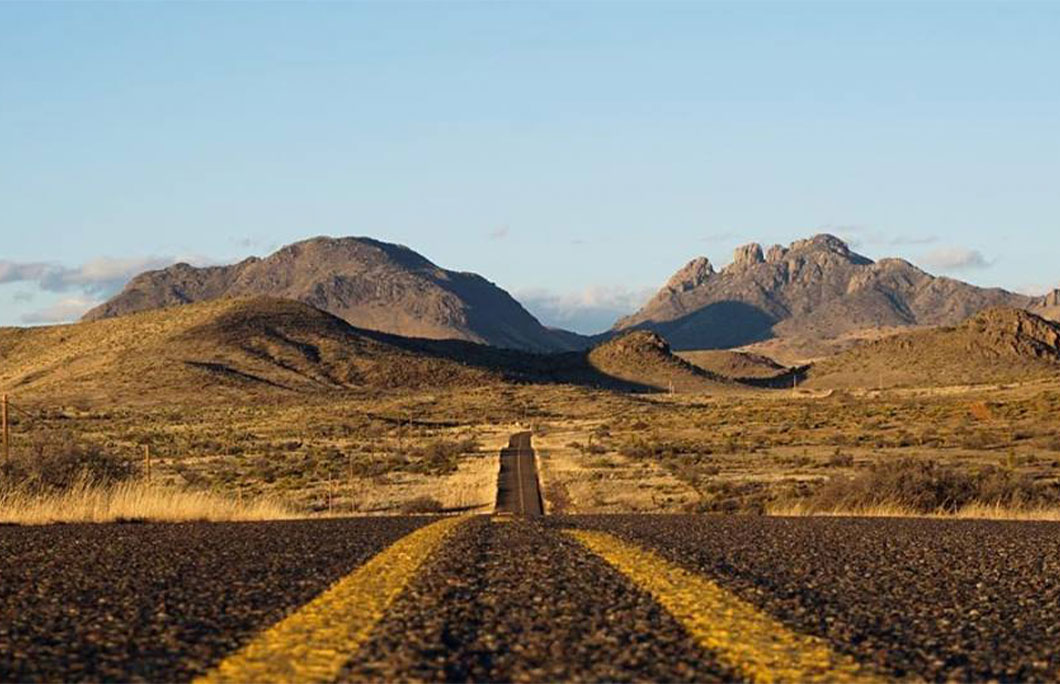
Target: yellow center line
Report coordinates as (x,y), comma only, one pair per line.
(738,634)
(314,643)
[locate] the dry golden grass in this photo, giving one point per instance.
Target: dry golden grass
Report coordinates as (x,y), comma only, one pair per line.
(133,501)
(575,480)
(471,488)
(978,511)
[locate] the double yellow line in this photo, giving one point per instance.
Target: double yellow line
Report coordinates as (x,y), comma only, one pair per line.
(317,641)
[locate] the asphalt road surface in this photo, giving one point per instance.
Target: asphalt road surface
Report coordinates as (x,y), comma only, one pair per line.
(586,598)
(518,489)
(162,602)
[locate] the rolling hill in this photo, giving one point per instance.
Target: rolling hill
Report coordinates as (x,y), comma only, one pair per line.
(370,284)
(264,348)
(645,358)
(735,365)
(225,348)
(995,346)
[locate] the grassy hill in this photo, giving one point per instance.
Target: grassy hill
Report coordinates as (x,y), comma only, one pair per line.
(997,345)
(645,358)
(734,365)
(263,348)
(235,348)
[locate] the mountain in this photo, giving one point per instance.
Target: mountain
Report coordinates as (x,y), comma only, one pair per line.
(815,289)
(644,358)
(994,346)
(370,284)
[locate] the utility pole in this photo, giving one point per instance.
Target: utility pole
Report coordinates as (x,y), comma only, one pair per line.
(7,432)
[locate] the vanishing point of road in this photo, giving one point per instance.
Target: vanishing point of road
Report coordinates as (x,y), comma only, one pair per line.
(526,597)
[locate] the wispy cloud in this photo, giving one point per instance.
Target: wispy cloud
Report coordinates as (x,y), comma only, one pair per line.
(858,235)
(86,285)
(591,310)
(64,310)
(955,259)
(723,236)
(101,276)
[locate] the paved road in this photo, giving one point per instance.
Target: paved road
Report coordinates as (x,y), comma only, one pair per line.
(518,490)
(592,598)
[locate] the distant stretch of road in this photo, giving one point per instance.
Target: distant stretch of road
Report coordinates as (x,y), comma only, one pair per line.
(518,489)
(532,598)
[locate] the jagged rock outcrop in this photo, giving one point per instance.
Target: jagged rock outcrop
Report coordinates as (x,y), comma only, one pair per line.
(814,288)
(370,284)
(746,256)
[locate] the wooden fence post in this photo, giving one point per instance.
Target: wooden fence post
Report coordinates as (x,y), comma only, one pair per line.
(7,430)
(147,462)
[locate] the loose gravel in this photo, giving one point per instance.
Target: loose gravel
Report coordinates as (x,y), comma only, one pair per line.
(933,599)
(162,602)
(518,602)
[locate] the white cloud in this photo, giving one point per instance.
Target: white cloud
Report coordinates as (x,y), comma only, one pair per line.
(102,276)
(84,286)
(62,311)
(955,259)
(591,310)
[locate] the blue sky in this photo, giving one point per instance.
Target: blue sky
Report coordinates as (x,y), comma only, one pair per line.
(574,153)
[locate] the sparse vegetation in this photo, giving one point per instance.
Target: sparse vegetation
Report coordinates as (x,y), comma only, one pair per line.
(56,463)
(926,486)
(375,448)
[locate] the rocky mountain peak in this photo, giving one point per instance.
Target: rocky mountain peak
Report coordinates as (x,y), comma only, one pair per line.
(823,241)
(776,254)
(691,276)
(747,256)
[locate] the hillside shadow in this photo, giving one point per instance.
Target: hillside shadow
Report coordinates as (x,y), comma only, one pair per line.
(722,325)
(569,368)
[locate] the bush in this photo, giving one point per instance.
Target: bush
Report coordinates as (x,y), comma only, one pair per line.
(926,487)
(422,504)
(442,457)
(58,464)
(840,460)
